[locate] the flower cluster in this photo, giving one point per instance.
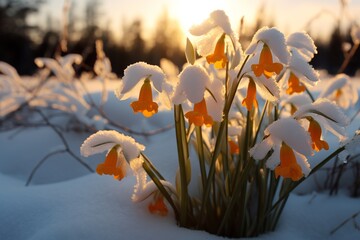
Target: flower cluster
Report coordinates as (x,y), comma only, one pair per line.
(250,115)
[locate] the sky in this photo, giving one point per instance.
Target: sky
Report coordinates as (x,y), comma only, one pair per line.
(288,15)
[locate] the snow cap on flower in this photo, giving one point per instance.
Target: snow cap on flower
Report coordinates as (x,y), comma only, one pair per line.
(299,74)
(300,66)
(341,91)
(274,39)
(104,140)
(193,81)
(325,113)
(303,43)
(210,34)
(288,139)
(133,75)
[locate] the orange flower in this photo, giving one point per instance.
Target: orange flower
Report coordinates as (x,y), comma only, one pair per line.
(218,58)
(250,98)
(145,104)
(158,206)
(294,85)
(109,166)
(315,133)
(288,167)
(266,65)
(199,115)
(234,147)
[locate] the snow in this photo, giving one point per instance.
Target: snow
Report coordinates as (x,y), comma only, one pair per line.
(274,39)
(133,75)
(65,201)
(303,43)
(193,81)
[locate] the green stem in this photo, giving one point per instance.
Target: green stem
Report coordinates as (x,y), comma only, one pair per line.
(182,158)
(199,140)
(260,122)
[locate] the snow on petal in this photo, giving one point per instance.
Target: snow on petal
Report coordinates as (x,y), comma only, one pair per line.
(193,82)
(106,139)
(303,43)
(341,91)
(216,18)
(215,100)
(262,148)
(292,133)
(301,67)
(207,34)
(274,39)
(136,72)
(324,108)
(267,88)
(303,163)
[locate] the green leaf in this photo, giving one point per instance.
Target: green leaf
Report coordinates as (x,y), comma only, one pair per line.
(190,52)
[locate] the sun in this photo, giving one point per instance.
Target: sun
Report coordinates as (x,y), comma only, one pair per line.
(190,12)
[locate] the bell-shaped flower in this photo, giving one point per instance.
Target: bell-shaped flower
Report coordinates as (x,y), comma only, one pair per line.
(290,144)
(315,134)
(196,86)
(158,206)
(267,89)
(326,114)
(210,39)
(288,168)
(299,73)
(266,66)
(250,99)
(342,91)
(113,165)
(123,149)
(145,103)
(199,116)
(218,58)
(143,190)
(139,80)
(271,41)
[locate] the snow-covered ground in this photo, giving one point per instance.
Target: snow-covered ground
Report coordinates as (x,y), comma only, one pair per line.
(65,201)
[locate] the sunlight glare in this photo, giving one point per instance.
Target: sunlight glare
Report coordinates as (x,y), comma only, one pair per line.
(191,12)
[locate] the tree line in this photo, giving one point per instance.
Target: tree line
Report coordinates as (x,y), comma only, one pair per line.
(21,42)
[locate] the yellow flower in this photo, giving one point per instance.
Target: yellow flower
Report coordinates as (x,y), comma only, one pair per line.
(218,58)
(199,115)
(157,206)
(110,165)
(294,85)
(315,134)
(145,103)
(250,99)
(266,65)
(288,167)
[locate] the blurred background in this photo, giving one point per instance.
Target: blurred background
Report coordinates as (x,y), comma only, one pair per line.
(142,30)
